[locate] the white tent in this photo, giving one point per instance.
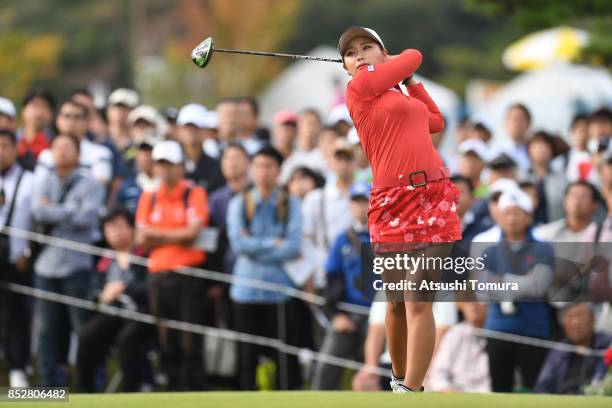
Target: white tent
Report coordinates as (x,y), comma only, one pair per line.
(553,95)
(317,84)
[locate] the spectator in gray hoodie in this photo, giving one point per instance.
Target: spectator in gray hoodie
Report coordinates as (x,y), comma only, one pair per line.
(66,206)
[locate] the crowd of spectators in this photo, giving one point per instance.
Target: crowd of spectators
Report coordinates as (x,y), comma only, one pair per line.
(216,189)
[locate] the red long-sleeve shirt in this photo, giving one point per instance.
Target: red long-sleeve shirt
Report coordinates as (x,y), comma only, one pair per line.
(394,128)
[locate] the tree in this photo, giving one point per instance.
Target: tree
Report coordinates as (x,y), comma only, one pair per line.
(79,41)
(25,60)
(243,24)
(457,44)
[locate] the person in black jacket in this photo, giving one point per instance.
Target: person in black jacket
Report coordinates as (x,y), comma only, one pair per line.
(123,284)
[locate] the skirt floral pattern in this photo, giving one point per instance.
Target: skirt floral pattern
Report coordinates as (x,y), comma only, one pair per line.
(405,218)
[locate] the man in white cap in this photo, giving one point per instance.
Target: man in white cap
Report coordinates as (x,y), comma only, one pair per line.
(120,103)
(211,125)
(518,259)
(474,156)
(515,214)
(491,215)
(340,118)
(7,114)
(168,221)
(146,118)
(199,167)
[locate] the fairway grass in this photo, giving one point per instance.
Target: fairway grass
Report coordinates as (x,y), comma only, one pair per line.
(311,399)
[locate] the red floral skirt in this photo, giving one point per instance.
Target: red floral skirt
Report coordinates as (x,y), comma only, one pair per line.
(406,218)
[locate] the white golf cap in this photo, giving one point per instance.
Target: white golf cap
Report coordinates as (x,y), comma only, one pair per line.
(353,137)
(168,150)
(354,32)
(211,120)
(502,185)
(339,113)
(341,145)
(149,139)
(146,113)
(476,146)
(515,198)
(482,119)
(124,96)
(192,114)
(7,107)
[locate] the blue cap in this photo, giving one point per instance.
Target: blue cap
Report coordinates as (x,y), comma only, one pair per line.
(360,189)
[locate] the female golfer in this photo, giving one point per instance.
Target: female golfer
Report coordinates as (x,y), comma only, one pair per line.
(413,206)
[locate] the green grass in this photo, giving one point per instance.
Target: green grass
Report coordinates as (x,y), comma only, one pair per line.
(309,399)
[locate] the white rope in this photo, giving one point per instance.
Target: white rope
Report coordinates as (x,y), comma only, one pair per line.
(190,327)
(532,341)
(260,284)
(185,270)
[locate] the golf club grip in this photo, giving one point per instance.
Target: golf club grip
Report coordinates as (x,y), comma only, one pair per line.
(273,54)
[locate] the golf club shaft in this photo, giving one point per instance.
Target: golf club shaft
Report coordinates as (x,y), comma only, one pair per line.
(274,54)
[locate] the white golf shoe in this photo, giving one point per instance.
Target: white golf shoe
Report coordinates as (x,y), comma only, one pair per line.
(18,379)
(396,383)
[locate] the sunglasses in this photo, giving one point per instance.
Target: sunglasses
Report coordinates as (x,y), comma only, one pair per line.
(72,116)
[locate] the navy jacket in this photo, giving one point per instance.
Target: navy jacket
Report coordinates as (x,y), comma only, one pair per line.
(555,366)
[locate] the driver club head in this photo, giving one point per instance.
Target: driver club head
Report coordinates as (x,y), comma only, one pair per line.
(202,54)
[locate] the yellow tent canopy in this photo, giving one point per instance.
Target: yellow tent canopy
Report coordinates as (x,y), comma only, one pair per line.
(543,48)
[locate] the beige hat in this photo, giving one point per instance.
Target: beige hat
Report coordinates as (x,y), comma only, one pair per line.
(7,107)
(342,145)
(124,96)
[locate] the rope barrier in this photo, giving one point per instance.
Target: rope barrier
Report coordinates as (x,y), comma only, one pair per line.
(185,270)
(233,335)
(189,327)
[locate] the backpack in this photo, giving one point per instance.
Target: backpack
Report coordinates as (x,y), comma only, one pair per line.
(186,195)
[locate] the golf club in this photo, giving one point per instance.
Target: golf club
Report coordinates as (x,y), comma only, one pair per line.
(202,54)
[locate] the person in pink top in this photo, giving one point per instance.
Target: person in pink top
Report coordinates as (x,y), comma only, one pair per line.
(413,208)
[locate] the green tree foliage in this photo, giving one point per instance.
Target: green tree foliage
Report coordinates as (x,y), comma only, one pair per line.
(89,36)
(242,24)
(457,44)
(26,59)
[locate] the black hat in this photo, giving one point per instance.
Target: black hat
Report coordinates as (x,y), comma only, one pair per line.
(118,211)
(502,162)
(270,151)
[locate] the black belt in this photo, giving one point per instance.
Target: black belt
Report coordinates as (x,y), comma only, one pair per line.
(417,178)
